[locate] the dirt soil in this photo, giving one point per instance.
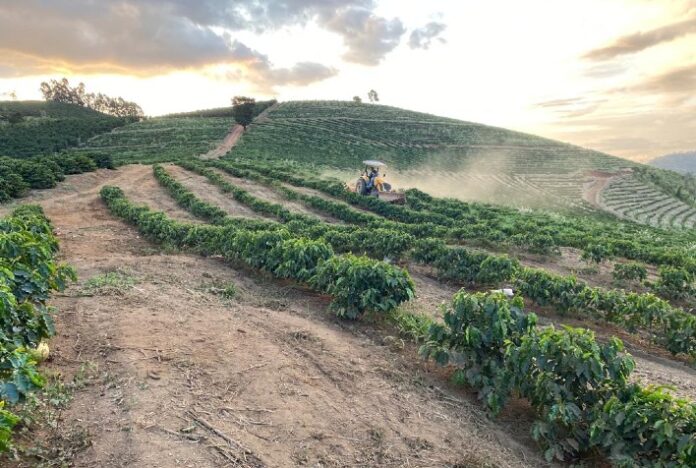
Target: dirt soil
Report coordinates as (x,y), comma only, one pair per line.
(592,190)
(181,376)
(225,145)
(208,192)
(268,194)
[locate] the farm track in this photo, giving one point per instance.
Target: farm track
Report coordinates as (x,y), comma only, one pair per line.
(268,194)
(283,382)
(210,193)
(227,144)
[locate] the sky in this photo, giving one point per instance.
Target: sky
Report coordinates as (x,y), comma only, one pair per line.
(618,76)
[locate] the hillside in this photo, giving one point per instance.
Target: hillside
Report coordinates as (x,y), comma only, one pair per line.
(468,161)
(251,311)
(48,127)
(684,163)
(161,139)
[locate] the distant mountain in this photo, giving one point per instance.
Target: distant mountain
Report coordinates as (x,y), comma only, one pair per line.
(679,162)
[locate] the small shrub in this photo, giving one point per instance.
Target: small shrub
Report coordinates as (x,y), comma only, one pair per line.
(629,272)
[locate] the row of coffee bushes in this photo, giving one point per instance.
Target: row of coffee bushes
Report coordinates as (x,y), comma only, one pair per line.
(502,226)
(671,327)
(17,176)
(377,243)
(28,274)
(357,284)
(579,388)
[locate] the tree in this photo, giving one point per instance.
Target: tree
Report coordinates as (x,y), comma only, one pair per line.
(10,94)
(243,110)
(373,96)
(117,107)
(357,99)
(61,91)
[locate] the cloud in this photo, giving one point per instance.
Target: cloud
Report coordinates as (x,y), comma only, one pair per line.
(146,37)
(259,70)
(605,70)
(643,40)
(421,38)
(570,108)
(680,80)
(368,37)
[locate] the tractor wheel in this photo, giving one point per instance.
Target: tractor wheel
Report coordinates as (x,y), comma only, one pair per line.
(361,187)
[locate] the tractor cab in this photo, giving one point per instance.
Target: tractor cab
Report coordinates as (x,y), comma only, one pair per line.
(372,183)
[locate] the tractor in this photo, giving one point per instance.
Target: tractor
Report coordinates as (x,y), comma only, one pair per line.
(372,184)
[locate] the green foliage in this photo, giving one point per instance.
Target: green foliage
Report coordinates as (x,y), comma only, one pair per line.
(360,285)
(672,327)
(376,242)
(28,274)
(45,130)
(19,175)
(629,272)
(564,374)
(7,422)
(578,387)
(259,107)
(546,288)
(410,325)
(159,139)
(243,110)
(646,427)
(110,282)
(675,282)
(187,199)
(357,284)
(454,220)
(681,186)
(596,253)
(476,332)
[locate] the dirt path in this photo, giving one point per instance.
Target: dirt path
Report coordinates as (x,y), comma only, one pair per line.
(263,116)
(177,376)
(226,145)
(600,180)
(268,194)
(208,192)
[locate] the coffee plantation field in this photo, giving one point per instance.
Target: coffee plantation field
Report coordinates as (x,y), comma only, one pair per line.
(255,303)
(161,139)
(455,158)
(47,127)
(631,198)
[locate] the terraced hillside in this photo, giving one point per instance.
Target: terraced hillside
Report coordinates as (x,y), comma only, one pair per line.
(630,198)
(171,137)
(161,139)
(440,155)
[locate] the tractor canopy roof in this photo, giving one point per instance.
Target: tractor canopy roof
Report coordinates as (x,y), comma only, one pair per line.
(372,163)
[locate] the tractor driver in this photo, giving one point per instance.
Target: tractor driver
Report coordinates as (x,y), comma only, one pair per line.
(372,176)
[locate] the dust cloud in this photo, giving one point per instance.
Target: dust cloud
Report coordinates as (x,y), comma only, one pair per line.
(485,177)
